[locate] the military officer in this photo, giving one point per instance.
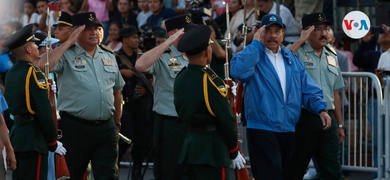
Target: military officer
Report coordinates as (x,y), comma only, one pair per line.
(321,64)
(64,26)
(89,99)
(164,62)
(33,134)
(212,136)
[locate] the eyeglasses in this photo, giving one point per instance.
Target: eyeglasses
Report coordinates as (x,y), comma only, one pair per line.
(321,29)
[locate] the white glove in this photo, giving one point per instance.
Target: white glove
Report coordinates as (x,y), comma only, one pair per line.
(60,149)
(234,89)
(54,87)
(238,162)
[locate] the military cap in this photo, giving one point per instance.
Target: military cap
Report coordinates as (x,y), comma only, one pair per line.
(64,19)
(178,22)
(271,19)
(20,37)
(314,19)
(160,32)
(88,19)
(44,38)
(195,40)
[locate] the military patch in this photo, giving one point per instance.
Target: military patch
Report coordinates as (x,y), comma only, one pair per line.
(107,62)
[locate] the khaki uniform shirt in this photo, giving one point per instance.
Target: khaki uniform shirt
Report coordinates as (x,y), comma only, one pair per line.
(324,70)
(164,72)
(86,84)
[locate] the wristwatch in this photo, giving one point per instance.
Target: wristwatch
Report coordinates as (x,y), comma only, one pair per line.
(341,126)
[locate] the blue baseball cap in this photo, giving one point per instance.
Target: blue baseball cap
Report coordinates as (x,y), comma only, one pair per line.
(271,19)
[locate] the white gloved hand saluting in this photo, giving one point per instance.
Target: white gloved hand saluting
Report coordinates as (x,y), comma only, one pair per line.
(238,162)
(60,149)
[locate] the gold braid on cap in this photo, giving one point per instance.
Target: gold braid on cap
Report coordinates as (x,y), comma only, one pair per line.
(27,87)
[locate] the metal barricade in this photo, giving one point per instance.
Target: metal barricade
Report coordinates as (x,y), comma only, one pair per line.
(363,146)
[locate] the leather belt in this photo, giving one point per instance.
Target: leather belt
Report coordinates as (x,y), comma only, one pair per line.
(82,120)
(24,118)
(207,128)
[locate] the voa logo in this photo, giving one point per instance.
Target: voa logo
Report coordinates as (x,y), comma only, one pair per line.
(356,24)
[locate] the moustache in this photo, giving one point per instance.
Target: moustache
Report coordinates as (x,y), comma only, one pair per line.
(272,40)
(323,38)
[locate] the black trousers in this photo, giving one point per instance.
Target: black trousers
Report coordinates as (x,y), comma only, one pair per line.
(168,139)
(87,142)
(270,153)
(313,142)
(31,165)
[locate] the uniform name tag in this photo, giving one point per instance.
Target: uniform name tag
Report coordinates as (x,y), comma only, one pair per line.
(331,61)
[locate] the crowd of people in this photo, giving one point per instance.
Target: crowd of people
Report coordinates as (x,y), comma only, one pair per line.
(148,70)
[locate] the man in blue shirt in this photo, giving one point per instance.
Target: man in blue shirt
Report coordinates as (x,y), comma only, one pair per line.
(276,87)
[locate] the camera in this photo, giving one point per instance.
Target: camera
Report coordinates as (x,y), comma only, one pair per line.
(147,39)
(197,11)
(377,30)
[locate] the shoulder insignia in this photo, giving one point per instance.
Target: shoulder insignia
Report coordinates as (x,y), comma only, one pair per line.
(215,81)
(182,69)
(167,51)
(331,49)
(105,48)
(210,73)
(72,46)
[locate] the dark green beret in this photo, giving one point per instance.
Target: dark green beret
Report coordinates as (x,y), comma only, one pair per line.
(20,37)
(178,22)
(314,19)
(65,19)
(88,19)
(195,40)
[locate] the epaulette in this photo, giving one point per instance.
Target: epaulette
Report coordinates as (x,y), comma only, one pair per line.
(331,49)
(106,48)
(210,73)
(168,50)
(35,68)
(72,46)
(210,76)
(182,69)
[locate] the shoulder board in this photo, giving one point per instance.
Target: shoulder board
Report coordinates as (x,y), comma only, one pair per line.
(182,69)
(105,48)
(331,49)
(210,73)
(72,46)
(35,68)
(167,51)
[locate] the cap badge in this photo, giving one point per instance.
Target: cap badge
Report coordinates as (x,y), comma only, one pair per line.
(272,18)
(91,18)
(320,17)
(188,19)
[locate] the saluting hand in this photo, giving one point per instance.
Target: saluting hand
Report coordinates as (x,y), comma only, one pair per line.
(75,34)
(306,33)
(175,36)
(259,34)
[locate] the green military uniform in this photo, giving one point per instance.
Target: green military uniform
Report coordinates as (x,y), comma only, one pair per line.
(86,102)
(311,139)
(201,101)
(33,134)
